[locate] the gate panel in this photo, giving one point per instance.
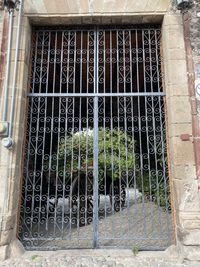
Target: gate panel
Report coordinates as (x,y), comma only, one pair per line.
(95,171)
(134,208)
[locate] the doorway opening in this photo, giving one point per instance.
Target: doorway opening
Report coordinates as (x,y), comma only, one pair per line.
(95,169)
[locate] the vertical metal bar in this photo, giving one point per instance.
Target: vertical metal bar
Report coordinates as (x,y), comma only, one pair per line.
(80,122)
(59,107)
(72,130)
(38,130)
(96,184)
(141,161)
(147,128)
(64,163)
(104,61)
(88,60)
(118,125)
(95,148)
(105,151)
(66,33)
(104,118)
(68,61)
(72,164)
(104,124)
(46,104)
(53,112)
(138,86)
(35,171)
(79,219)
(68,102)
(64,173)
(79,168)
(111,125)
(86,165)
(154,135)
(87,125)
(51,137)
(125,125)
(81,62)
(44,134)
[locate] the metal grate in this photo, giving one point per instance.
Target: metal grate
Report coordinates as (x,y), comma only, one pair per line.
(95,171)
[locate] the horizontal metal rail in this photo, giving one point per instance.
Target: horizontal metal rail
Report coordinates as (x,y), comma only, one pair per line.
(93,95)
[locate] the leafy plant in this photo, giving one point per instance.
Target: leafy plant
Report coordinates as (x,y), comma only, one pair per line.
(135,250)
(116,154)
(116,160)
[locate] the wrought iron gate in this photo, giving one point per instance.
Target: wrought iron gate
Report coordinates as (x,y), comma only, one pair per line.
(95,170)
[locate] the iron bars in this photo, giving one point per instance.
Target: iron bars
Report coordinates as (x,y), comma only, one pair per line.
(95,171)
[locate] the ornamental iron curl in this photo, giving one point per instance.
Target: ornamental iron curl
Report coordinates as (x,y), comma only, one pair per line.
(95,168)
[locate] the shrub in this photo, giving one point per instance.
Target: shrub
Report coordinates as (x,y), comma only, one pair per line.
(116,153)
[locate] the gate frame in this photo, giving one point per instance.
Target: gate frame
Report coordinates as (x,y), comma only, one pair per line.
(182,164)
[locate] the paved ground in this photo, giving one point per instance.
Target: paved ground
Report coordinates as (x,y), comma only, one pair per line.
(140,224)
(140,220)
(97,258)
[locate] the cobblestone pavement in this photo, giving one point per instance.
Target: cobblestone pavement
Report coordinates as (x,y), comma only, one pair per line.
(96,258)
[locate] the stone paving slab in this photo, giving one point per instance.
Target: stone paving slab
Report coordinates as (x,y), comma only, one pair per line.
(97,258)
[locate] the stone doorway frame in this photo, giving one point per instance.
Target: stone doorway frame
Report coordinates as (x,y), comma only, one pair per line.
(181,154)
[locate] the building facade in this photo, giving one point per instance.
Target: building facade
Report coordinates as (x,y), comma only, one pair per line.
(162,33)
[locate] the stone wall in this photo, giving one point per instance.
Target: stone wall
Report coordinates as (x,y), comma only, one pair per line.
(184,185)
(195,42)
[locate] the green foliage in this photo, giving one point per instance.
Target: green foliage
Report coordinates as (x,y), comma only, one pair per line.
(156,188)
(34,257)
(135,250)
(115,152)
(116,159)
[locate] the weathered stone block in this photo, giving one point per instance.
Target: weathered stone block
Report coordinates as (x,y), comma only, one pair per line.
(114,6)
(176,72)
(173,37)
(178,110)
(183,151)
(96,6)
(191,253)
(53,6)
(184,172)
(73,7)
(186,196)
(176,129)
(135,6)
(16,249)
(6,237)
(177,90)
(172,19)
(84,6)
(3,253)
(159,5)
(175,53)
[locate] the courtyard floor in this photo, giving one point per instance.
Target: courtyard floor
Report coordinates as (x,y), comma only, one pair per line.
(98,258)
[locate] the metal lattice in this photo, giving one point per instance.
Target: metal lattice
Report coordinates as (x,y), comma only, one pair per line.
(95,170)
